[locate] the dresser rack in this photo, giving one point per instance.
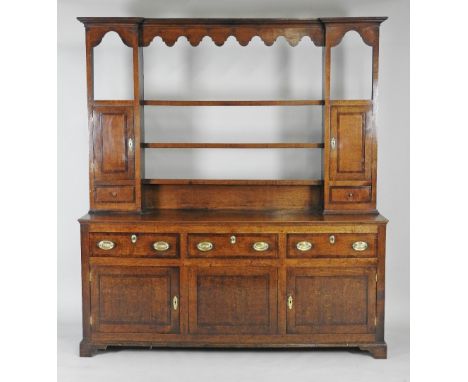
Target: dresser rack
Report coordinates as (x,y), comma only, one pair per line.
(232,262)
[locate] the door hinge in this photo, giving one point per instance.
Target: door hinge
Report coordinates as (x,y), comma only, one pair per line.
(376,277)
(375,321)
(90,276)
(90,320)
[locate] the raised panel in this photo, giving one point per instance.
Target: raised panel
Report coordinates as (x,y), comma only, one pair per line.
(351,153)
(233,300)
(113,156)
(134,299)
(327,300)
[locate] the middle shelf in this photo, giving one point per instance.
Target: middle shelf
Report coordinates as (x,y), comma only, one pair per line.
(171,145)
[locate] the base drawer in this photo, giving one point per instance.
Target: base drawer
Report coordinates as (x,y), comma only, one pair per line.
(332,245)
(134,245)
(232,245)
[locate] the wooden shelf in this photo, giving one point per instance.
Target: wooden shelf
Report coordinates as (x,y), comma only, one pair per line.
(238,182)
(232,145)
(232,103)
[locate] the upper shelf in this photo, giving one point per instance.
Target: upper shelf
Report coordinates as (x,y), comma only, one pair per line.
(138,31)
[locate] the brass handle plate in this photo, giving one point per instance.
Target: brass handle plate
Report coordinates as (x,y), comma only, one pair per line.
(290,302)
(106,245)
(333,143)
(175,302)
(332,239)
(161,246)
(205,246)
(130,144)
(304,246)
(232,239)
(133,238)
(360,245)
(260,246)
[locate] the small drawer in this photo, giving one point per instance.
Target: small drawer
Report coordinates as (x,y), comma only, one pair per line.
(232,245)
(332,245)
(114,194)
(134,245)
(350,194)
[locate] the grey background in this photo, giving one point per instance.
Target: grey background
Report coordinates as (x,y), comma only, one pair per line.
(255,72)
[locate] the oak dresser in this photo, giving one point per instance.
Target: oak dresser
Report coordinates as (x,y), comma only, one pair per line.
(227,262)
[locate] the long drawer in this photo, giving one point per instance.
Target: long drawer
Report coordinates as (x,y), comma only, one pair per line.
(134,245)
(232,245)
(331,245)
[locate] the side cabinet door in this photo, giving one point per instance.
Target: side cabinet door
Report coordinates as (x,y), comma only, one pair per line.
(233,300)
(113,137)
(331,300)
(134,299)
(351,143)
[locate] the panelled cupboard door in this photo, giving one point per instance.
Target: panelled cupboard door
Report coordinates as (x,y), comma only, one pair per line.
(131,299)
(114,143)
(233,300)
(331,300)
(351,142)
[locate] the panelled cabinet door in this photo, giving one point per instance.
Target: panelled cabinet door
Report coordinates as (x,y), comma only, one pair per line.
(233,300)
(114,143)
(134,299)
(351,142)
(331,300)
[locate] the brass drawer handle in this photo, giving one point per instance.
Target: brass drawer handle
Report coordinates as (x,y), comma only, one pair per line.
(290,302)
(304,246)
(233,239)
(205,246)
(175,302)
(106,245)
(133,238)
(161,246)
(360,245)
(332,239)
(260,246)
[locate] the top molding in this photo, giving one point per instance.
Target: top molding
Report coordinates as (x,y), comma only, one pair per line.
(138,31)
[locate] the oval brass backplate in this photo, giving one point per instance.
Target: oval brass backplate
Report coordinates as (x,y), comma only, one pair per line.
(332,239)
(360,245)
(106,245)
(232,239)
(161,246)
(260,246)
(205,246)
(304,246)
(133,238)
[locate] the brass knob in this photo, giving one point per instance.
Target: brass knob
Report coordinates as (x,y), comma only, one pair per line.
(260,246)
(232,239)
(175,302)
(332,239)
(106,245)
(114,194)
(290,302)
(205,246)
(161,246)
(133,238)
(304,246)
(350,195)
(360,246)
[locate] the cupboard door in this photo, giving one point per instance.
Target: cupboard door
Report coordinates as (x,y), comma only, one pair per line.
(351,143)
(113,151)
(134,299)
(233,300)
(331,300)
